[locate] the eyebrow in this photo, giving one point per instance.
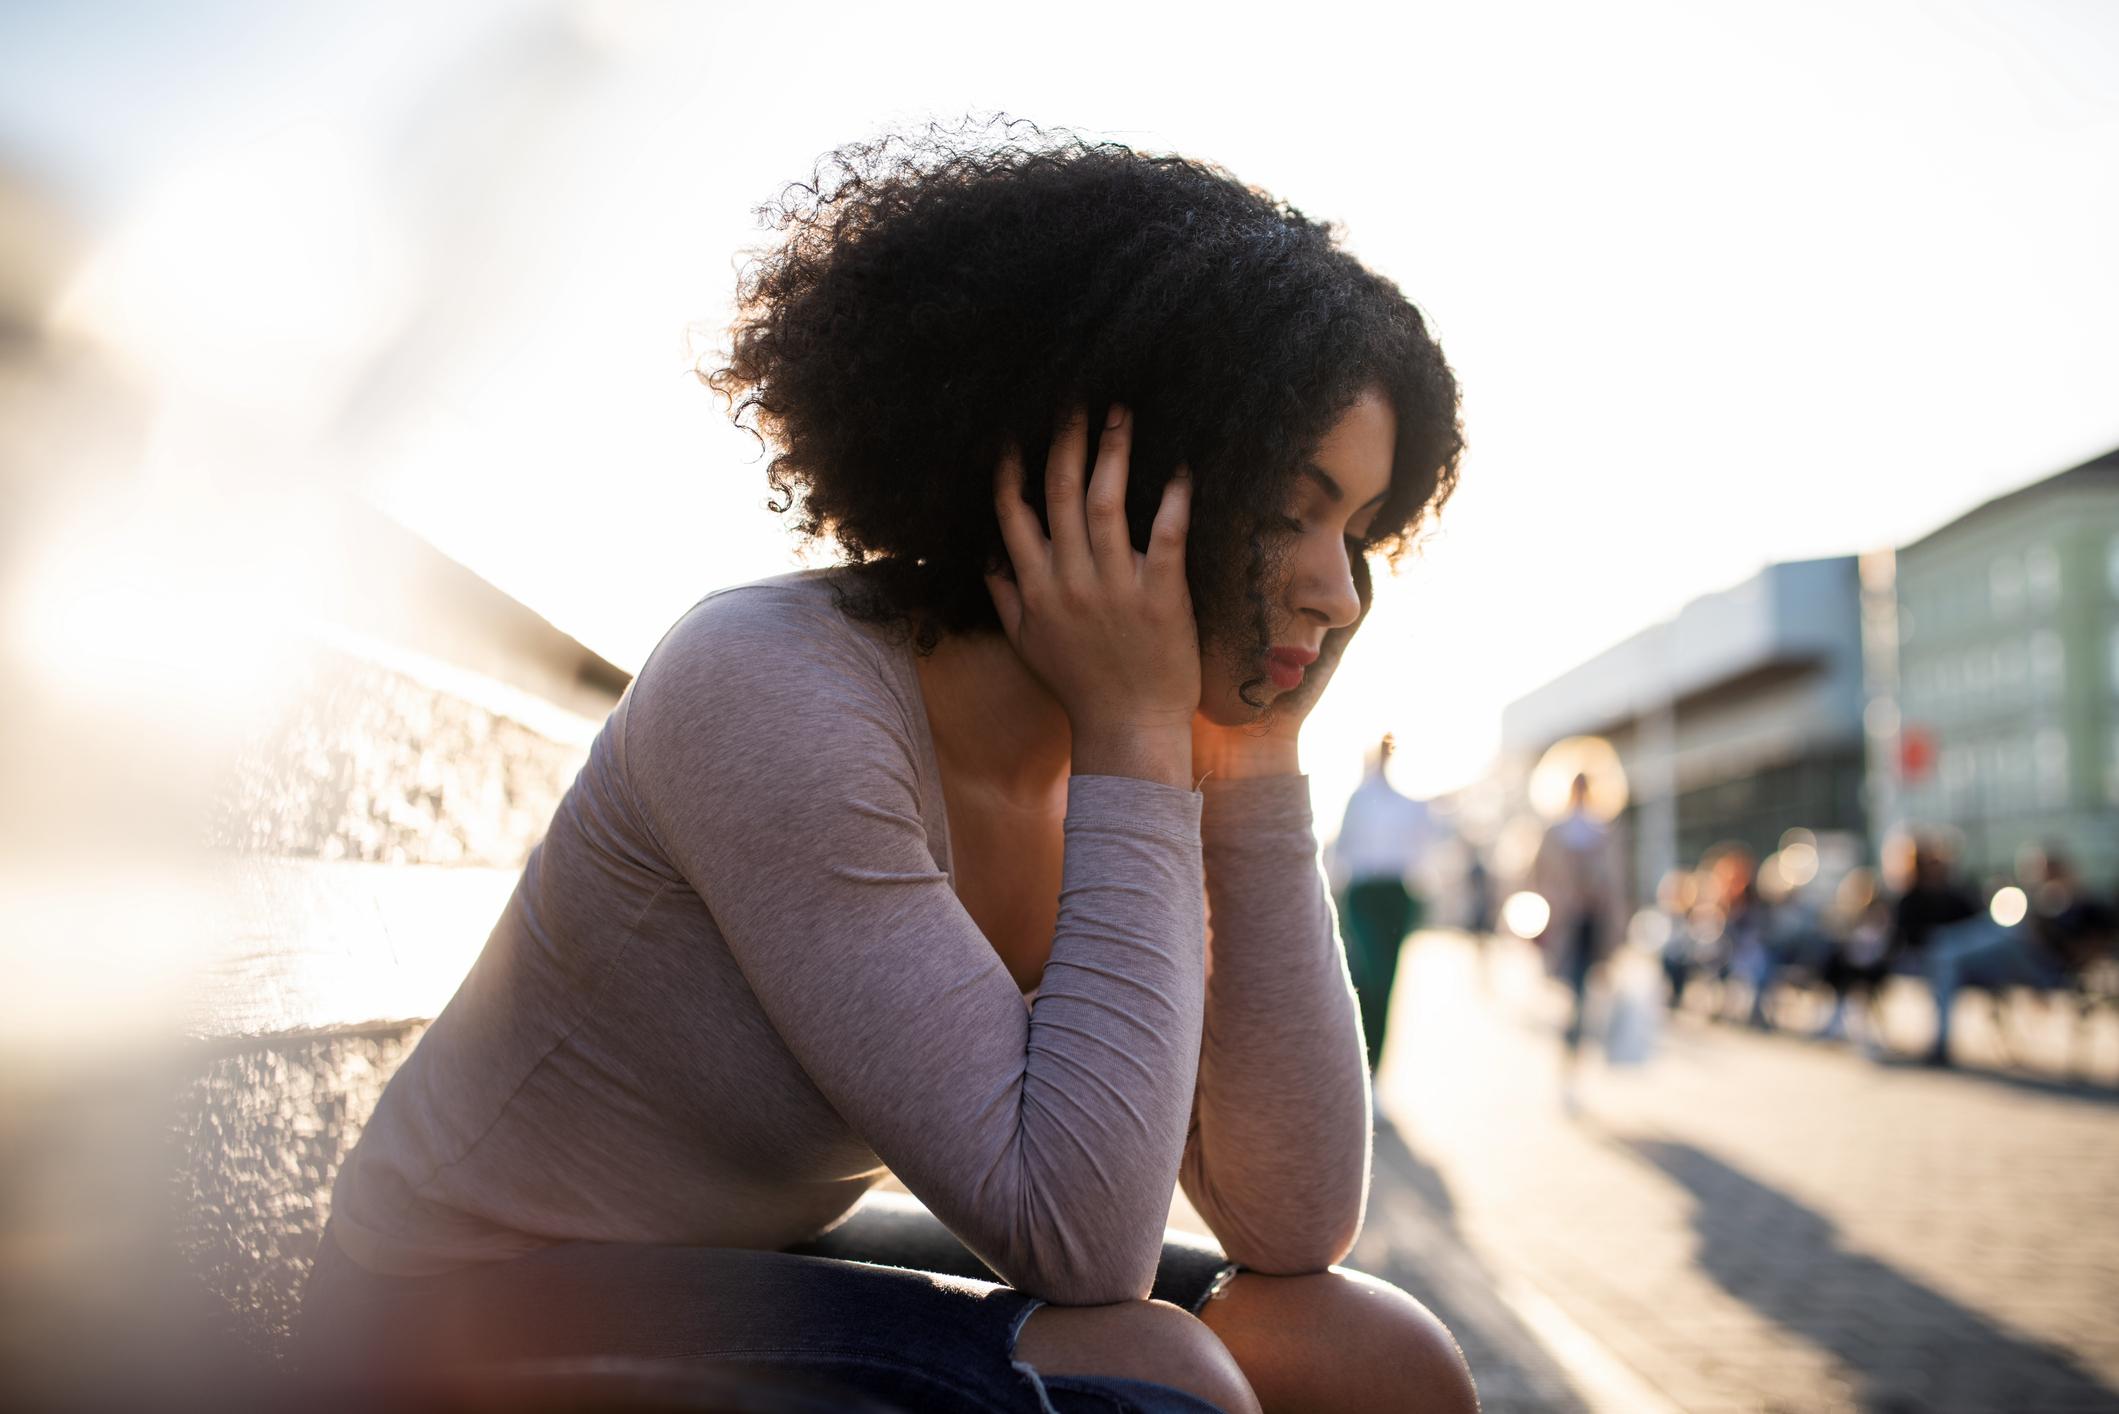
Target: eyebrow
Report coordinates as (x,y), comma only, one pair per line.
(1333,489)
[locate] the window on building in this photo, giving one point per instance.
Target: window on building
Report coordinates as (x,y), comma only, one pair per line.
(1955,768)
(1978,672)
(2041,575)
(2111,565)
(2111,771)
(2016,771)
(2051,755)
(2005,587)
(2112,655)
(2048,663)
(2011,666)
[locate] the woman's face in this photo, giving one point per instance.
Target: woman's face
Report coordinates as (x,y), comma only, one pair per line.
(1331,508)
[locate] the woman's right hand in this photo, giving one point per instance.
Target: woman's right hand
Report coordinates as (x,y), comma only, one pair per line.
(1108,630)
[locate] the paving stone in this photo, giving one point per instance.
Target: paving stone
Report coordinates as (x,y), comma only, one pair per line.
(1760,1221)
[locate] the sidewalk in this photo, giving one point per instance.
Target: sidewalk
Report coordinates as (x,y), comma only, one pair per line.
(1752,1222)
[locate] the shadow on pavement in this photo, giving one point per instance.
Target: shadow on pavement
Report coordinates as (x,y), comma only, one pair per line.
(1396,1161)
(1411,1239)
(2021,1081)
(1909,1347)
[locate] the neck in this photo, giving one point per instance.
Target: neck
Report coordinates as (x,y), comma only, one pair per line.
(993,722)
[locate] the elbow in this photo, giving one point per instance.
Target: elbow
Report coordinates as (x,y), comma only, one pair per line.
(1073,1278)
(1070,1262)
(1295,1254)
(1084,1288)
(1287,1240)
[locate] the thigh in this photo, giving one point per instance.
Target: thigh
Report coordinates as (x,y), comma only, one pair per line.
(895,1230)
(915,1340)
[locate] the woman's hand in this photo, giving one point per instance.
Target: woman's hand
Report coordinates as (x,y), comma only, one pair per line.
(1269,748)
(1108,630)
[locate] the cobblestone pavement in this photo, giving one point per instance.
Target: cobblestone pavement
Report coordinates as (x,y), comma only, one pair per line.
(1750,1222)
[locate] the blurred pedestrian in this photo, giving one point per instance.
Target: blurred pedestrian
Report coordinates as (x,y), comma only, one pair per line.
(1478,897)
(1479,912)
(1383,839)
(1578,872)
(2060,933)
(1676,895)
(1933,899)
(1860,926)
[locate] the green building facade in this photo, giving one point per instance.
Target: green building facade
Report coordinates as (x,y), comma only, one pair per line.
(2006,725)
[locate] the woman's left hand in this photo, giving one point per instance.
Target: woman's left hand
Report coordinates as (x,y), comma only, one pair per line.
(1269,748)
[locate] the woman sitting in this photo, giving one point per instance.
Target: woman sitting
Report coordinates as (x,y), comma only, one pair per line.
(906,864)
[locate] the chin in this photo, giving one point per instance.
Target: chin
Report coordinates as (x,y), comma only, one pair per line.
(1220,703)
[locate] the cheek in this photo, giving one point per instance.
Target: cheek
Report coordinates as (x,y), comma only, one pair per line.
(1221,680)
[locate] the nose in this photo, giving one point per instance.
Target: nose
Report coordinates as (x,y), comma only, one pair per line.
(1325,592)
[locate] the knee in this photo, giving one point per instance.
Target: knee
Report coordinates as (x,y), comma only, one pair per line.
(1341,1340)
(1414,1345)
(1136,1340)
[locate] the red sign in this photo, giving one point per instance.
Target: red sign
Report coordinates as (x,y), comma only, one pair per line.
(1916,752)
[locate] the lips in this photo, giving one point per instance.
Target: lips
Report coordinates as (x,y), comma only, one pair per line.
(1285,666)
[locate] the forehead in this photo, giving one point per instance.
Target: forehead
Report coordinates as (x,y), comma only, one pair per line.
(1358,450)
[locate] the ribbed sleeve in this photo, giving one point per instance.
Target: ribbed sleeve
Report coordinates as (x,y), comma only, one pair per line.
(777,771)
(1278,1159)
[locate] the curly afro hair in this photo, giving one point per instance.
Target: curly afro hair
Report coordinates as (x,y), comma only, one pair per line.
(933,299)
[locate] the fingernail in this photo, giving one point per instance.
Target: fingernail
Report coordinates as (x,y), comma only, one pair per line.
(1114,417)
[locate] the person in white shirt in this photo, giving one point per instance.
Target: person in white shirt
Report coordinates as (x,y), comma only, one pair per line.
(1382,840)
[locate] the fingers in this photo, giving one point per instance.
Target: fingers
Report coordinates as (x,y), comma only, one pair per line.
(1110,543)
(1166,538)
(1063,493)
(1008,604)
(1020,532)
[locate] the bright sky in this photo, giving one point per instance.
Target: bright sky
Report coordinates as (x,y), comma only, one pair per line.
(1724,285)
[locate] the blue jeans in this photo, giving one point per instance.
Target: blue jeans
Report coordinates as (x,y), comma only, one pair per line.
(1979,952)
(888,1304)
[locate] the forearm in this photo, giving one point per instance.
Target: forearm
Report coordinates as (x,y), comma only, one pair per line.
(1279,1162)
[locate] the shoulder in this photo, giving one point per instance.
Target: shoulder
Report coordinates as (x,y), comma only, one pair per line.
(776,657)
(750,637)
(803,604)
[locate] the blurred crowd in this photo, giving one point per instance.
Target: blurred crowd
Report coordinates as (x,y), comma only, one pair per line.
(1809,931)
(1747,935)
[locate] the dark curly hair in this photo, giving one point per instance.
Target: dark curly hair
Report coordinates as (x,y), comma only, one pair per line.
(934,298)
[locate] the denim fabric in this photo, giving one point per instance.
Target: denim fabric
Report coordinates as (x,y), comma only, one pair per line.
(919,1339)
(896,1231)
(1979,952)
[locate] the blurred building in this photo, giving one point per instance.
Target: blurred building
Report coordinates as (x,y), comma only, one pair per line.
(1739,719)
(2007,675)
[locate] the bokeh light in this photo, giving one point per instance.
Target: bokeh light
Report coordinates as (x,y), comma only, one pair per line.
(1592,756)
(1526,914)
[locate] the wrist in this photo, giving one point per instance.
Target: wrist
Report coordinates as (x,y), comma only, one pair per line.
(1236,757)
(1161,754)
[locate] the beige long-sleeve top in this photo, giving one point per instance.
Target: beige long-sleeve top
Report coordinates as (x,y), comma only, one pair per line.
(734,984)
